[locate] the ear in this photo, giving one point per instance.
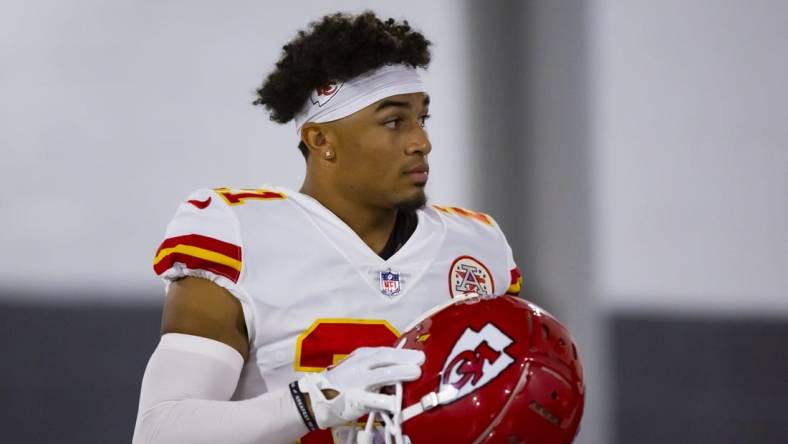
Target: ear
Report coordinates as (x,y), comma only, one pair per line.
(316,138)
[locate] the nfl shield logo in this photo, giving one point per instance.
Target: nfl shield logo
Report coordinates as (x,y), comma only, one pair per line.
(389,283)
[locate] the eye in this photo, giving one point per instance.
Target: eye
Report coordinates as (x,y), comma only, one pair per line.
(393,123)
(423,120)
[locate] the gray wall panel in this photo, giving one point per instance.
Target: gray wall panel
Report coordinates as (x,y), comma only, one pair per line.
(71,374)
(694,380)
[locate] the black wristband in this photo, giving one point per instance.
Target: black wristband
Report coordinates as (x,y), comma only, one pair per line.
(300,402)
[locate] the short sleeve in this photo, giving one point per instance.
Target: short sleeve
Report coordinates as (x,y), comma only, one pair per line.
(203,239)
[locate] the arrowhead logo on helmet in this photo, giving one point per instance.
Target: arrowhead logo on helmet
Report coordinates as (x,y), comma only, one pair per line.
(476,359)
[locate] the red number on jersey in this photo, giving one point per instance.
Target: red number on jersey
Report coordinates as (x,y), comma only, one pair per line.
(239,197)
(328,341)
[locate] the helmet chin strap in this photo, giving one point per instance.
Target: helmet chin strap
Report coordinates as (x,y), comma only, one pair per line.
(430,400)
(393,424)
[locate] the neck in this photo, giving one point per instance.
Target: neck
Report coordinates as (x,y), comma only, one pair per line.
(372,224)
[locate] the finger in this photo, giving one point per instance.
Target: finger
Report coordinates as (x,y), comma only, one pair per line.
(388,356)
(363,351)
(408,356)
(377,401)
(392,374)
(359,355)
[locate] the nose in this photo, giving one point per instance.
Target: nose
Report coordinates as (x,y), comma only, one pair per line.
(419,142)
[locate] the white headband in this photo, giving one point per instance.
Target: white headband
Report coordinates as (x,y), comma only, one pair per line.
(338,100)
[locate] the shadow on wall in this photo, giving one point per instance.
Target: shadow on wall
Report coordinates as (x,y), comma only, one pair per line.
(72,372)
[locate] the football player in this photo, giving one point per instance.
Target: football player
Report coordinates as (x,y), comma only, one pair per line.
(282,305)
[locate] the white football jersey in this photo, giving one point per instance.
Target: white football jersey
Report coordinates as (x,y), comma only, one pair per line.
(311,290)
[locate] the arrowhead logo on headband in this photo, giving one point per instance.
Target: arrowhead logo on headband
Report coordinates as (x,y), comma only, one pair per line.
(322,95)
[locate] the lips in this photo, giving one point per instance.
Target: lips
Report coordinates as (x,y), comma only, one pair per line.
(419,174)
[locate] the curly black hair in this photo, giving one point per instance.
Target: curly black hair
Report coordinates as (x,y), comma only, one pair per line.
(336,49)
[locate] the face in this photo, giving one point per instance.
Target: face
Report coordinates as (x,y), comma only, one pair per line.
(381,152)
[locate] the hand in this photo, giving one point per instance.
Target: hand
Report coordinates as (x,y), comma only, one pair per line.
(358,379)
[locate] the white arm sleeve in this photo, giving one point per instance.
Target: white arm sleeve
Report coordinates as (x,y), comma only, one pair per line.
(185,399)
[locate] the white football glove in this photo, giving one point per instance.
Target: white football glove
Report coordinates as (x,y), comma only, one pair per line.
(358,379)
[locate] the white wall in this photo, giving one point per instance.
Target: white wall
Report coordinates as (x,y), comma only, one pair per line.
(690,147)
(111,112)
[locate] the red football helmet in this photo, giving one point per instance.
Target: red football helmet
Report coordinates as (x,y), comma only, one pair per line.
(497,370)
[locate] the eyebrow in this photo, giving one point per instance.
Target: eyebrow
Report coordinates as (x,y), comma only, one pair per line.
(397,104)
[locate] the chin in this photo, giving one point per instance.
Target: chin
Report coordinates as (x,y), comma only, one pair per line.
(417,201)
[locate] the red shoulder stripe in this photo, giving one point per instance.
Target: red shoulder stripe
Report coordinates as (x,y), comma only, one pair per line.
(205,242)
(196,263)
(199,252)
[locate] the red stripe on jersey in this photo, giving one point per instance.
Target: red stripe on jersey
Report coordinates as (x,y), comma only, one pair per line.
(208,243)
(196,263)
(515,276)
(515,283)
(199,252)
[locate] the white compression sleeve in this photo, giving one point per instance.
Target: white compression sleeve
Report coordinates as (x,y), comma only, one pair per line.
(185,399)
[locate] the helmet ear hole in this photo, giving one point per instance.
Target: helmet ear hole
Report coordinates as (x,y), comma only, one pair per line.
(554,395)
(545,332)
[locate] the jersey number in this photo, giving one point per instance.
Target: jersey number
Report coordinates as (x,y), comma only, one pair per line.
(328,341)
(239,197)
